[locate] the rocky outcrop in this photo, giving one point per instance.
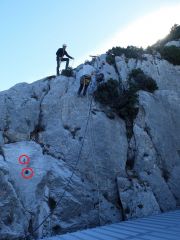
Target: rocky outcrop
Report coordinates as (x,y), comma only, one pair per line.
(173,43)
(47,121)
(153,153)
(156,146)
(137,197)
(165,74)
(77,152)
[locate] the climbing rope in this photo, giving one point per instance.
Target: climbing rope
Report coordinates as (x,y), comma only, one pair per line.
(70,178)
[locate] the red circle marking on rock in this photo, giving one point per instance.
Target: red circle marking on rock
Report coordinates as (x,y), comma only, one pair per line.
(28,169)
(26,156)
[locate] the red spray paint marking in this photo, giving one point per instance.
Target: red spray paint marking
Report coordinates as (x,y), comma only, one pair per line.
(27,173)
(23,173)
(24,156)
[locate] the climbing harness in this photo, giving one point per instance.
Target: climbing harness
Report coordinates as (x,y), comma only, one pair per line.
(85,80)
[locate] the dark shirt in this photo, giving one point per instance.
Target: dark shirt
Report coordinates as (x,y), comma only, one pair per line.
(61,52)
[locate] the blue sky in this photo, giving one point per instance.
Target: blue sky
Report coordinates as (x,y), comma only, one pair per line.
(32,31)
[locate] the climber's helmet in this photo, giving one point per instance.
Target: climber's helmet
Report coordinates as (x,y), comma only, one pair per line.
(64,45)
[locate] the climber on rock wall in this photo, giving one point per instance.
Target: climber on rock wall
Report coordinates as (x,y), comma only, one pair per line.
(85,74)
(60,57)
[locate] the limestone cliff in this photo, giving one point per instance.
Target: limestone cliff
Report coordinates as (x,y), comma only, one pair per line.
(61,132)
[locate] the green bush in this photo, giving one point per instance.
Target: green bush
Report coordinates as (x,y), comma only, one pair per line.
(149,50)
(67,72)
(123,103)
(110,59)
(129,52)
(135,72)
(175,32)
(173,35)
(126,107)
(171,54)
(138,80)
(108,92)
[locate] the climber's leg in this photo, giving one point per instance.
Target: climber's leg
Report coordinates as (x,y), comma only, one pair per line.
(85,89)
(80,89)
(81,85)
(67,62)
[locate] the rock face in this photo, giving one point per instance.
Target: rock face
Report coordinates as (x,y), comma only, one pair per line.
(137,198)
(165,74)
(79,153)
(173,43)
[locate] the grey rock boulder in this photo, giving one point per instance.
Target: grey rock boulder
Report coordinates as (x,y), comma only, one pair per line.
(137,199)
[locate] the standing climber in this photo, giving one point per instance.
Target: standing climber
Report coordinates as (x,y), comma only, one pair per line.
(60,57)
(85,77)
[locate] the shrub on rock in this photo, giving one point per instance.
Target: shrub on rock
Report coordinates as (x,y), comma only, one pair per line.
(123,103)
(67,72)
(138,80)
(171,54)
